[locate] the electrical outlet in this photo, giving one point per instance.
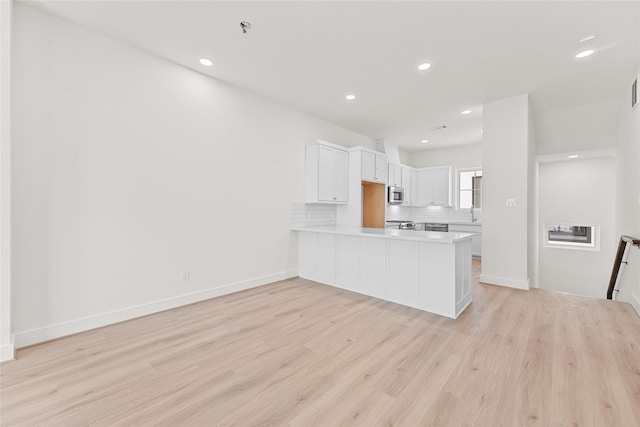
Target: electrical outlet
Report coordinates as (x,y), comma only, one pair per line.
(511,203)
(186,277)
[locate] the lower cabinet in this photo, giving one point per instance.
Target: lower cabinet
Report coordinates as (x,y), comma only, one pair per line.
(476,240)
(373,266)
(361,264)
(317,257)
(433,277)
(347,262)
(404,271)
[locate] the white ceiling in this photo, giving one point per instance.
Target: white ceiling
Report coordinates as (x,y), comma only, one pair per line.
(309,55)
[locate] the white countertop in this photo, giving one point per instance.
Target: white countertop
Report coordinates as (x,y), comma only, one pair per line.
(476,223)
(463,223)
(386,233)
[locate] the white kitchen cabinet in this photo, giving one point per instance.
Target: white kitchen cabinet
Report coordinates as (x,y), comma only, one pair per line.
(404,271)
(347,261)
(373,267)
(395,175)
(476,245)
(374,167)
(326,173)
(433,186)
(476,240)
(408,184)
(318,260)
(429,273)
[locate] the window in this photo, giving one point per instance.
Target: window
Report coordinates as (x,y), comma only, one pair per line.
(470,188)
(571,236)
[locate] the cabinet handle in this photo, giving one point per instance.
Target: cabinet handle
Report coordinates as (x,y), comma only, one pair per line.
(334,198)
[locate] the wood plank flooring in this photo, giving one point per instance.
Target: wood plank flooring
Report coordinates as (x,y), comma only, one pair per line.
(298,353)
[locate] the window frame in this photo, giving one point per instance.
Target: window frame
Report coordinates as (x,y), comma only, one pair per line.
(594,245)
(457,188)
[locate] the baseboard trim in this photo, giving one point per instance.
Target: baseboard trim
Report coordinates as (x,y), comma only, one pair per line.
(7,352)
(58,330)
(505,281)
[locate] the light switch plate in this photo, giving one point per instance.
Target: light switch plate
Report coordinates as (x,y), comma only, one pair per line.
(511,203)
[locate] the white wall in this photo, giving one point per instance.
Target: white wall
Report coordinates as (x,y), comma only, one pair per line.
(6,338)
(459,156)
(628,198)
(505,175)
(129,170)
(579,128)
(578,192)
(405,157)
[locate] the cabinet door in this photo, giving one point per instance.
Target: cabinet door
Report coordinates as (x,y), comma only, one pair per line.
(326,166)
(476,245)
(381,169)
(373,267)
(407,185)
(341,176)
(391,176)
(369,166)
(404,271)
(347,262)
(424,188)
(434,186)
(414,187)
(395,175)
(441,189)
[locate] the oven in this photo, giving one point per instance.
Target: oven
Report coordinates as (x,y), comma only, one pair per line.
(432,226)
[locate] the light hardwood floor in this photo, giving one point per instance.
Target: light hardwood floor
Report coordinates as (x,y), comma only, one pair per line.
(303,354)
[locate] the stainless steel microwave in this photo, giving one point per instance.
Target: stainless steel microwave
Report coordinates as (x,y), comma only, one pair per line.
(396,195)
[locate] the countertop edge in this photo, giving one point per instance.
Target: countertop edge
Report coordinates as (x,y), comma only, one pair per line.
(392,234)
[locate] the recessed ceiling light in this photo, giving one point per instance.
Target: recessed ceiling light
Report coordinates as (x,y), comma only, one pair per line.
(206,62)
(465,112)
(350,97)
(584,53)
(587,38)
(424,141)
(573,156)
(424,66)
(481,130)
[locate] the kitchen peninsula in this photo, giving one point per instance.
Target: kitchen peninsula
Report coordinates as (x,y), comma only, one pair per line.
(430,271)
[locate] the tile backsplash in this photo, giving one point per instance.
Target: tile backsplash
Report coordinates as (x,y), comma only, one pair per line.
(430,214)
(316,214)
(312,214)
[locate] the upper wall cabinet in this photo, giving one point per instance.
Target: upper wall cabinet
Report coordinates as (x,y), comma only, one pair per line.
(408,184)
(326,173)
(395,175)
(374,167)
(433,186)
